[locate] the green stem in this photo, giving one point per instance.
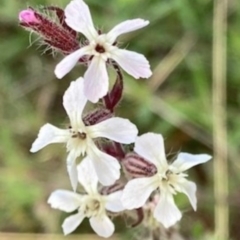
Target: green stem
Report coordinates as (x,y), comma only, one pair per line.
(219,120)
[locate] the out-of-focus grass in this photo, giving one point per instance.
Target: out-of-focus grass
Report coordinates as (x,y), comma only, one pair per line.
(180,108)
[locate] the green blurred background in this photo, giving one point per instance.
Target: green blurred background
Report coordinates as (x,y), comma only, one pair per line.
(176,102)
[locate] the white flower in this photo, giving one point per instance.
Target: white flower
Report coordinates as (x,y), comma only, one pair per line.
(80,138)
(101,47)
(169,179)
(91,205)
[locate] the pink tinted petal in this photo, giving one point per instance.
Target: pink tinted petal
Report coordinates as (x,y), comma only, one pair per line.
(137,191)
(134,64)
(103,226)
(96,80)
(74,100)
(65,200)
(87,176)
(106,167)
(166,212)
(67,64)
(49,134)
(114,203)
(78,17)
(72,222)
(28,16)
(125,27)
(189,188)
(151,147)
(185,161)
(117,129)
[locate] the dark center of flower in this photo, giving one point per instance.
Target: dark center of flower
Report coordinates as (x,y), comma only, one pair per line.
(80,135)
(166,178)
(100,48)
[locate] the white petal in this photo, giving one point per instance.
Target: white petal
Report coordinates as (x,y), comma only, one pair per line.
(78,17)
(114,203)
(103,226)
(107,167)
(65,200)
(72,222)
(133,63)
(87,176)
(67,64)
(137,191)
(96,80)
(72,169)
(185,161)
(125,27)
(151,147)
(166,212)
(190,188)
(74,100)
(117,129)
(49,134)
(72,172)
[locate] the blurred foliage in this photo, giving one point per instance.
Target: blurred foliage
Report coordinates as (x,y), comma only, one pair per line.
(178,45)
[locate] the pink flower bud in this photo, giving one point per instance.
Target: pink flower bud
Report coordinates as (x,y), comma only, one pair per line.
(28,17)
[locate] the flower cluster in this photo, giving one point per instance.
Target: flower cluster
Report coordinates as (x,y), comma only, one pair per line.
(98,138)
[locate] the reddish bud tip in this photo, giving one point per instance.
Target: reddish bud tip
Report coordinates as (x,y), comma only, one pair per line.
(28,17)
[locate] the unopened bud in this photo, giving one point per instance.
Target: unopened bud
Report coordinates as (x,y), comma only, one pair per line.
(97,116)
(53,31)
(114,149)
(136,166)
(117,186)
(112,99)
(28,17)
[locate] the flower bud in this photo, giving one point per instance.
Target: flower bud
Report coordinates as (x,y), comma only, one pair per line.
(114,149)
(96,116)
(53,31)
(118,185)
(112,99)
(28,17)
(136,166)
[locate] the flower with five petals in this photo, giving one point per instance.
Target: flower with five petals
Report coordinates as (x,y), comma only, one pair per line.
(169,179)
(92,205)
(80,138)
(101,48)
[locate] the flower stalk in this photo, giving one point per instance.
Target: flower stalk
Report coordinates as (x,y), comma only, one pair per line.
(220,119)
(98,138)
